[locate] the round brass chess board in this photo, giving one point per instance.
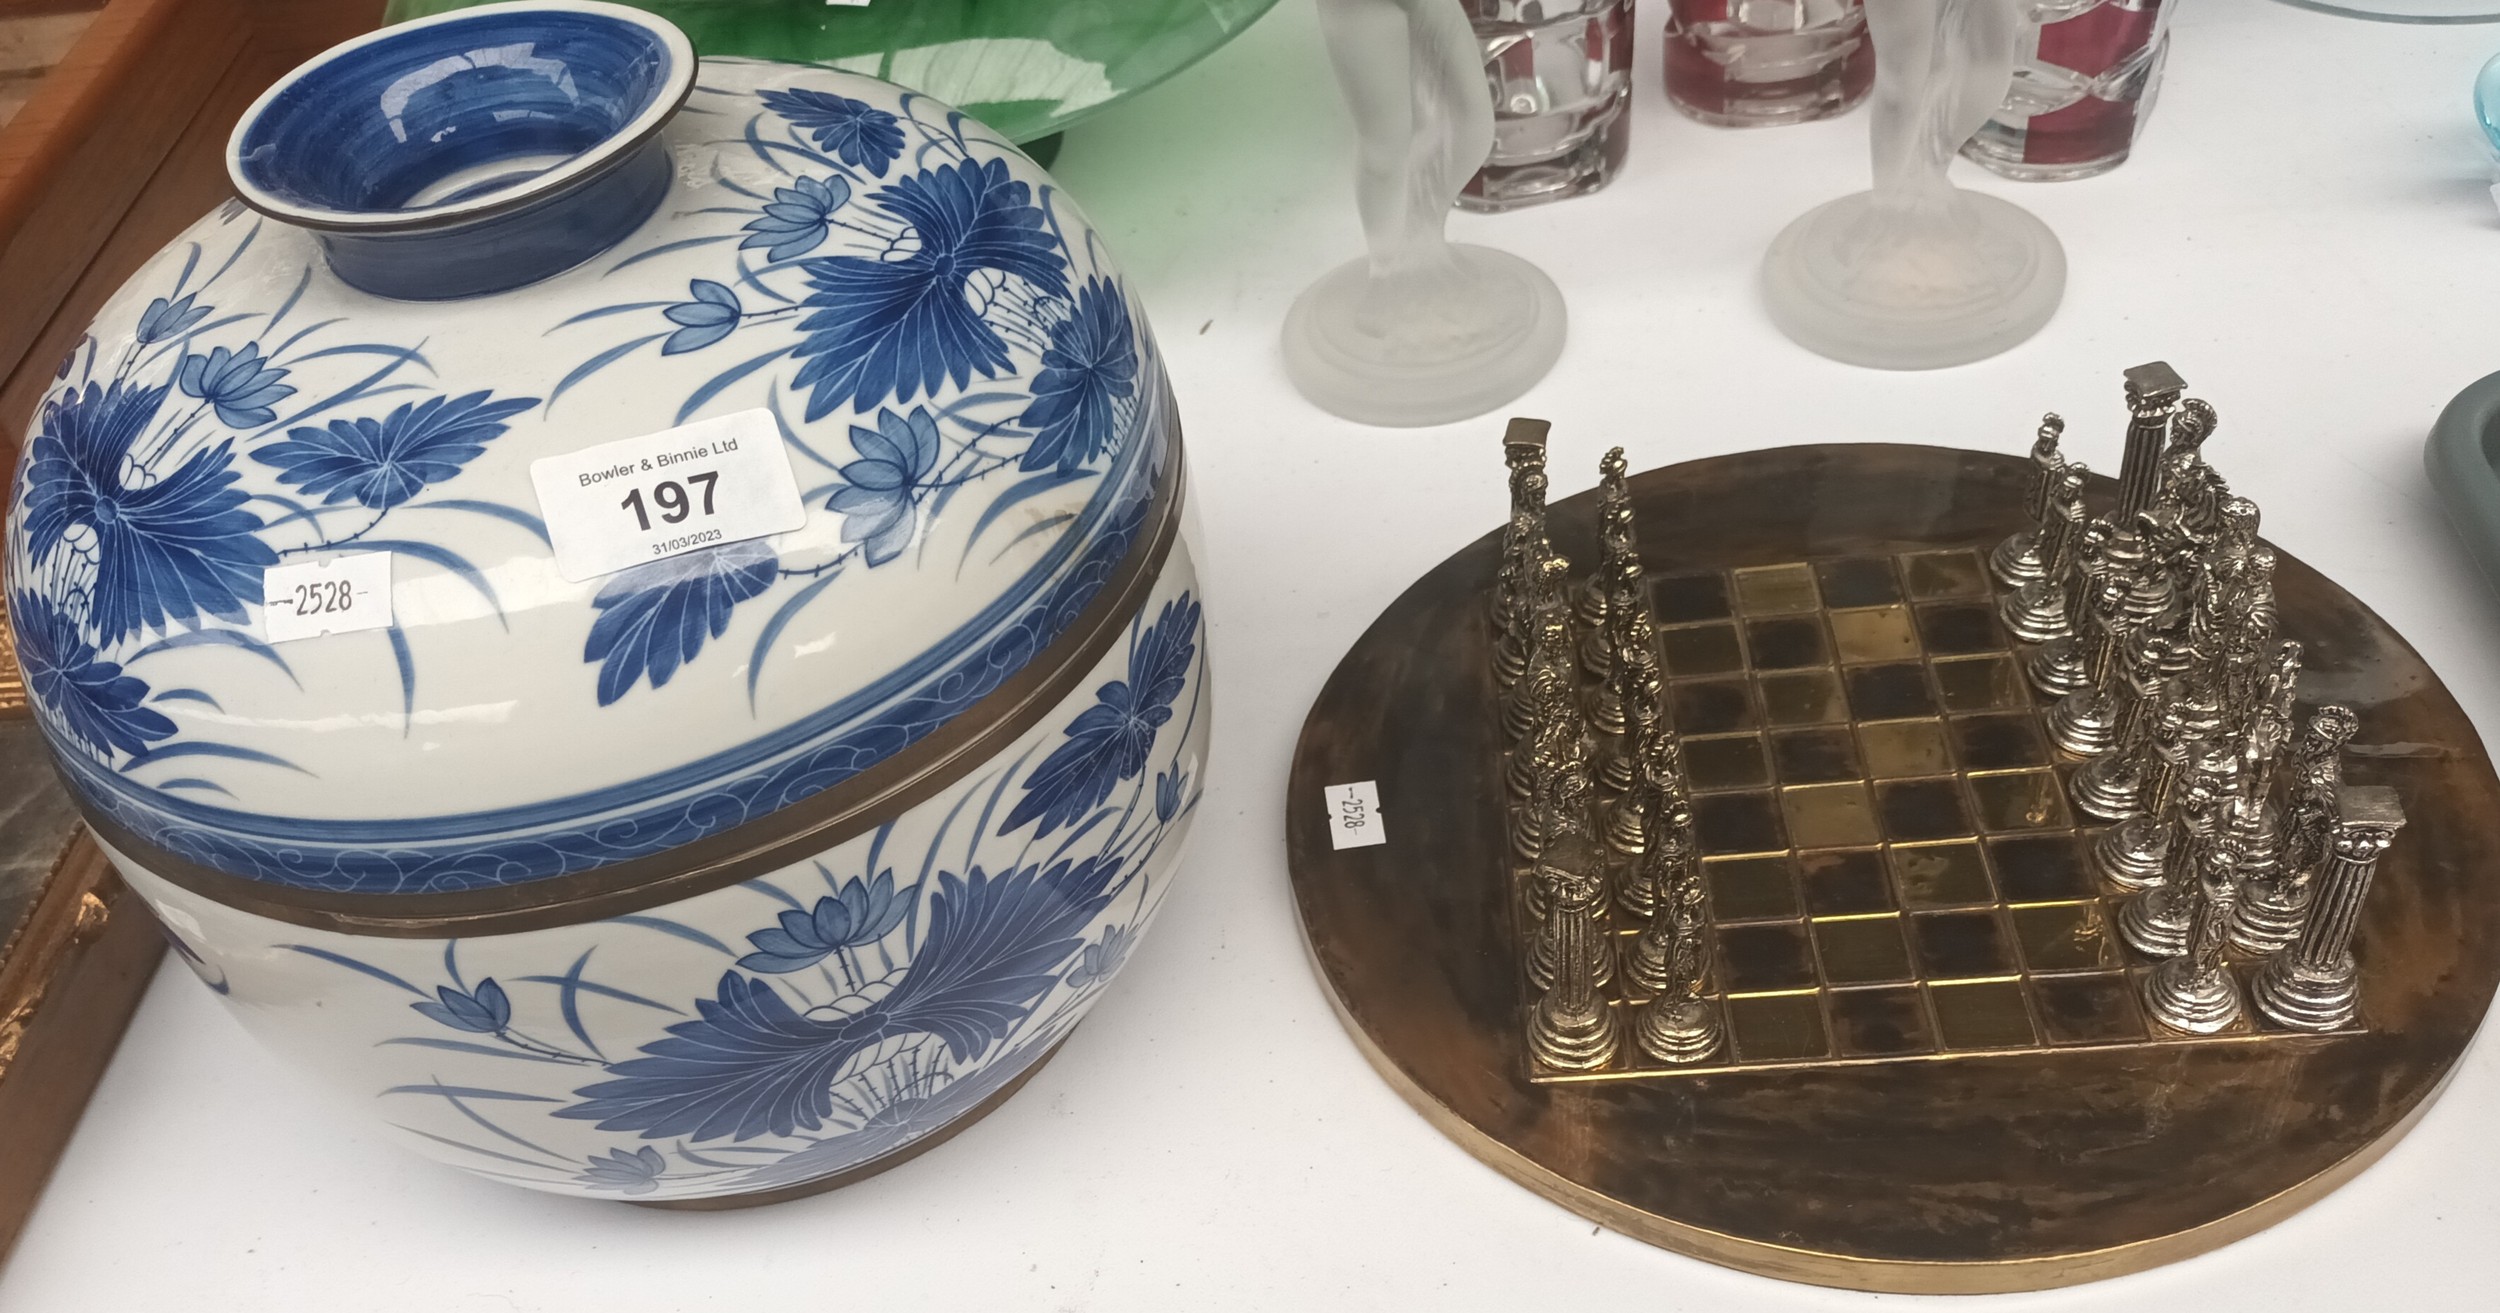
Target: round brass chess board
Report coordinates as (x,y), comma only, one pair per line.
(1938,1075)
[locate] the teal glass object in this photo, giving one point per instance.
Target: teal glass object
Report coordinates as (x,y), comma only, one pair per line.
(1028,68)
(2487,104)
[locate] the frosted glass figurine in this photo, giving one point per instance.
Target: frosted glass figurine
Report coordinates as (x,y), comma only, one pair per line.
(1419,331)
(1916,274)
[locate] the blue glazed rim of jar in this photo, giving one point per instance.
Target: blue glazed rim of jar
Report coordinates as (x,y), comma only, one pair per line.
(472,151)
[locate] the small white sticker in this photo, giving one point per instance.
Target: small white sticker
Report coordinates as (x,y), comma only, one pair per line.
(680,490)
(341,595)
(1354,815)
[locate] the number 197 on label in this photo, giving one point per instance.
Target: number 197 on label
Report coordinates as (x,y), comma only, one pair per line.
(674,503)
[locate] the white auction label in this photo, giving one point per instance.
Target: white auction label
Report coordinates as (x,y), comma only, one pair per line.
(638,500)
(1354,815)
(341,595)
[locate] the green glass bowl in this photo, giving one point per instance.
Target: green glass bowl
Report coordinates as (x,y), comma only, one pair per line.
(1028,68)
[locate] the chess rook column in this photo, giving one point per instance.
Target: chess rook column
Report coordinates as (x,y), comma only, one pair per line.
(1523,450)
(1572,1028)
(2023,556)
(1524,548)
(2316,985)
(2152,397)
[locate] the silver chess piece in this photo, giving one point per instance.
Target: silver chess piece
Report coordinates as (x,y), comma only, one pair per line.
(2057,667)
(1633,693)
(1523,535)
(2110,787)
(1671,959)
(2152,399)
(1624,615)
(1614,542)
(2041,609)
(2194,992)
(2160,921)
(2151,849)
(2272,909)
(2190,488)
(2315,984)
(2264,727)
(2022,557)
(1668,846)
(2084,723)
(1572,1028)
(1544,641)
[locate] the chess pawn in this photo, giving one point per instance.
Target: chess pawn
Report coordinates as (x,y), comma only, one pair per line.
(2266,725)
(2315,984)
(1636,687)
(2272,909)
(1546,573)
(1572,1027)
(1669,957)
(2133,853)
(2022,557)
(1614,538)
(2157,921)
(2193,992)
(2040,609)
(2058,668)
(1523,450)
(2084,723)
(1626,622)
(2110,787)
(2248,638)
(1549,677)
(1649,879)
(1679,1026)
(2200,495)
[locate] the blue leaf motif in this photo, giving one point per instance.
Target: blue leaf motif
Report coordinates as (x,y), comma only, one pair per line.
(654,618)
(794,221)
(482,1011)
(167,552)
(862,135)
(750,1065)
(861,913)
(1110,740)
(164,319)
(244,388)
(890,329)
(895,461)
(634,1173)
(709,317)
(1168,786)
(1090,366)
(98,704)
(1101,960)
(382,463)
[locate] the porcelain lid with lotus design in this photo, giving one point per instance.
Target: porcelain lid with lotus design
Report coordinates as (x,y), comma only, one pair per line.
(966,392)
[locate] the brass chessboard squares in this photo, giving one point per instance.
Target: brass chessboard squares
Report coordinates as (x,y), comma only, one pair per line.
(1893,869)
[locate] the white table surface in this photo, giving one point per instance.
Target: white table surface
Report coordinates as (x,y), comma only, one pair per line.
(2305,233)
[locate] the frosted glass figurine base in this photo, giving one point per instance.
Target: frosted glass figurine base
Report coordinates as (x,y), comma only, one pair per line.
(1860,286)
(1462,347)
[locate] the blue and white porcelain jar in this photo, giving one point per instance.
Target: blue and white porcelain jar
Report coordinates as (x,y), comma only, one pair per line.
(739,872)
